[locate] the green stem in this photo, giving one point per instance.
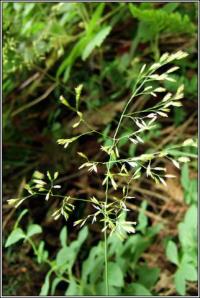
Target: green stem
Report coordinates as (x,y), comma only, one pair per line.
(105,238)
(106,263)
(108,169)
(135,92)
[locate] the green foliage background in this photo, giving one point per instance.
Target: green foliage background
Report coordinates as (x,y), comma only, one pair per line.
(50,48)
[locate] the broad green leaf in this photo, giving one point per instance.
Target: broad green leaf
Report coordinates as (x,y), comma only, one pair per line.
(45,287)
(115,275)
(190,192)
(16,235)
(185,181)
(86,290)
(189,256)
(54,284)
(33,229)
(187,229)
(191,217)
(136,289)
(91,266)
(147,276)
(135,246)
(42,254)
(67,255)
(98,270)
(152,231)
(189,271)
(72,288)
(172,252)
(179,280)
(100,290)
(76,245)
(115,245)
(64,256)
(193,191)
(96,41)
(142,218)
(63,237)
(82,235)
(186,235)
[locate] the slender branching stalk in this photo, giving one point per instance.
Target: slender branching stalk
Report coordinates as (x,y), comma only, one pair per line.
(110,210)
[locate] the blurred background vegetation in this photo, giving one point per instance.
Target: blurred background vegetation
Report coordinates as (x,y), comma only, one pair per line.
(50,48)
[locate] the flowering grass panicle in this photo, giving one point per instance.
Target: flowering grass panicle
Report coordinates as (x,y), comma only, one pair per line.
(109,210)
